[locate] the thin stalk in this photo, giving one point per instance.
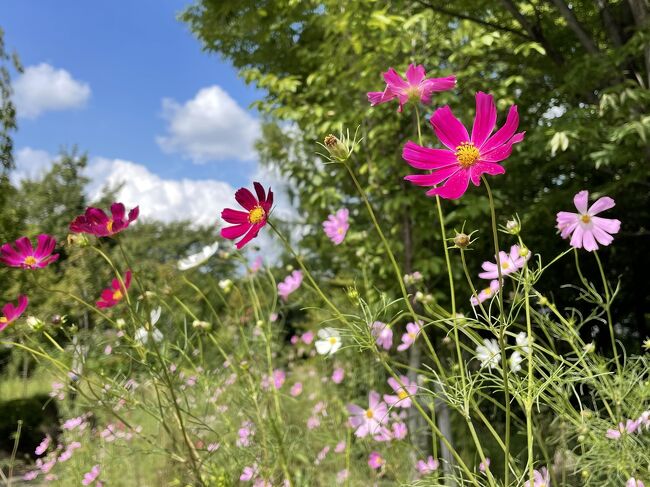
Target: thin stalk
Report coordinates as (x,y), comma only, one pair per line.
(606,305)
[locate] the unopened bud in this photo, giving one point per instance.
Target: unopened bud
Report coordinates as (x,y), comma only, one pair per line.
(513,227)
(337,149)
(203,325)
(461,240)
(77,239)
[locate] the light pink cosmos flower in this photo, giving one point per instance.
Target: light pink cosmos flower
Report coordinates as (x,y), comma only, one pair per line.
(383,334)
(485,293)
(342,476)
(629,427)
(43,446)
(248,473)
(22,254)
(541,478)
(340,447)
(430,466)
(632,482)
(290,284)
(313,422)
(368,421)
(509,263)
(307,337)
(414,87)
(296,389)
(279,376)
(466,158)
(375,460)
(336,226)
(584,227)
(91,476)
(399,430)
(31,475)
(338,375)
(483,466)
(408,338)
(402,399)
(245,433)
(11,313)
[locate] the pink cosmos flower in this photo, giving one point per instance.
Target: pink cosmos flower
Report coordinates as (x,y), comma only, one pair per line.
(402,399)
(399,431)
(31,475)
(91,476)
(245,434)
(466,158)
(296,389)
(408,338)
(584,227)
(383,334)
(248,473)
(375,460)
(336,226)
(95,222)
(113,295)
(290,284)
(541,478)
(22,254)
(430,466)
(342,476)
(257,264)
(313,422)
(509,263)
(11,313)
(632,482)
(247,223)
(307,337)
(340,447)
(368,421)
(43,446)
(629,427)
(414,87)
(279,377)
(483,466)
(486,293)
(338,375)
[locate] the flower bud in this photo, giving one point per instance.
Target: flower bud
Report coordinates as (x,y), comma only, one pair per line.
(513,227)
(34,323)
(461,240)
(203,325)
(77,239)
(338,150)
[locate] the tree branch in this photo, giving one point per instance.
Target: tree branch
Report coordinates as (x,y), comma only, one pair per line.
(586,41)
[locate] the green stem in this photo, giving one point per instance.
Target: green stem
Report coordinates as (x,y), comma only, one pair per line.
(607,305)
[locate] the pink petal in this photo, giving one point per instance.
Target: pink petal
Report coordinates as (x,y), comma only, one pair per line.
(498,154)
(448,128)
(118,211)
(415,74)
(425,158)
(576,238)
(504,133)
(236,231)
(602,236)
(455,186)
(377,97)
(252,233)
(609,225)
(601,204)
(134,213)
(394,81)
(245,198)
(434,178)
(485,120)
(24,247)
(588,241)
(234,216)
(479,168)
(580,200)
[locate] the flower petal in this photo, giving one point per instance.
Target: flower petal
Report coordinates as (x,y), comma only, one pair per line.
(415,74)
(434,178)
(448,128)
(502,152)
(455,186)
(601,204)
(580,200)
(245,198)
(425,158)
(609,225)
(234,216)
(485,119)
(505,132)
(236,231)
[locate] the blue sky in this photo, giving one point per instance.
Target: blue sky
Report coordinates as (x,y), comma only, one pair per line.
(131,55)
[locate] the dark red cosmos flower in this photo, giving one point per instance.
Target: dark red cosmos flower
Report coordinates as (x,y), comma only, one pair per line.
(247,223)
(95,222)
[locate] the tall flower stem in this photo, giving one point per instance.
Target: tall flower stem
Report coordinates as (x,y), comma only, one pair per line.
(502,334)
(608,311)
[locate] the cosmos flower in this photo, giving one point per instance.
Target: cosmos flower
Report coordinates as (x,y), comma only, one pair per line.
(11,313)
(247,224)
(515,361)
(22,254)
(428,466)
(523,341)
(509,263)
(199,258)
(336,226)
(91,476)
(483,466)
(338,375)
(95,222)
(415,87)
(402,399)
(585,228)
(113,295)
(541,478)
(375,460)
(485,293)
(632,482)
(290,284)
(370,420)
(330,341)
(408,338)
(628,427)
(489,353)
(383,334)
(466,158)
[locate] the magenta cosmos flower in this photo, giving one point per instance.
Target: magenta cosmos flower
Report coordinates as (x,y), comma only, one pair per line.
(584,227)
(336,226)
(509,263)
(96,222)
(11,313)
(289,285)
(247,224)
(415,87)
(430,466)
(402,397)
(466,157)
(113,295)
(22,254)
(371,420)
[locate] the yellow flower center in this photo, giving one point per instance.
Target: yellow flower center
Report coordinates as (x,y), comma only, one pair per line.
(109,225)
(256,215)
(117,295)
(585,218)
(467,154)
(3,319)
(402,394)
(412,335)
(30,260)
(340,231)
(488,291)
(333,340)
(504,265)
(370,414)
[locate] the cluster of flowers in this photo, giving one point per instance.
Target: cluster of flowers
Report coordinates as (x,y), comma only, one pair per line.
(489,354)
(630,427)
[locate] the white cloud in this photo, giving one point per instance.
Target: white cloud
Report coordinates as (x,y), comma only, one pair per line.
(30,164)
(43,88)
(209,127)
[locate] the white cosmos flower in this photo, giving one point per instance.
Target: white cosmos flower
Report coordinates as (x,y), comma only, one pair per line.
(489,353)
(199,258)
(523,342)
(515,361)
(154,316)
(330,341)
(142,335)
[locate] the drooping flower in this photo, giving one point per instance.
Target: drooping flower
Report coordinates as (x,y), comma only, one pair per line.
(541,478)
(368,421)
(466,158)
(91,476)
(383,334)
(428,466)
(330,341)
(489,353)
(402,397)
(290,284)
(11,313)
(22,254)
(95,221)
(585,228)
(113,295)
(515,361)
(509,263)
(247,224)
(485,293)
(199,258)
(375,460)
(408,338)
(415,87)
(336,226)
